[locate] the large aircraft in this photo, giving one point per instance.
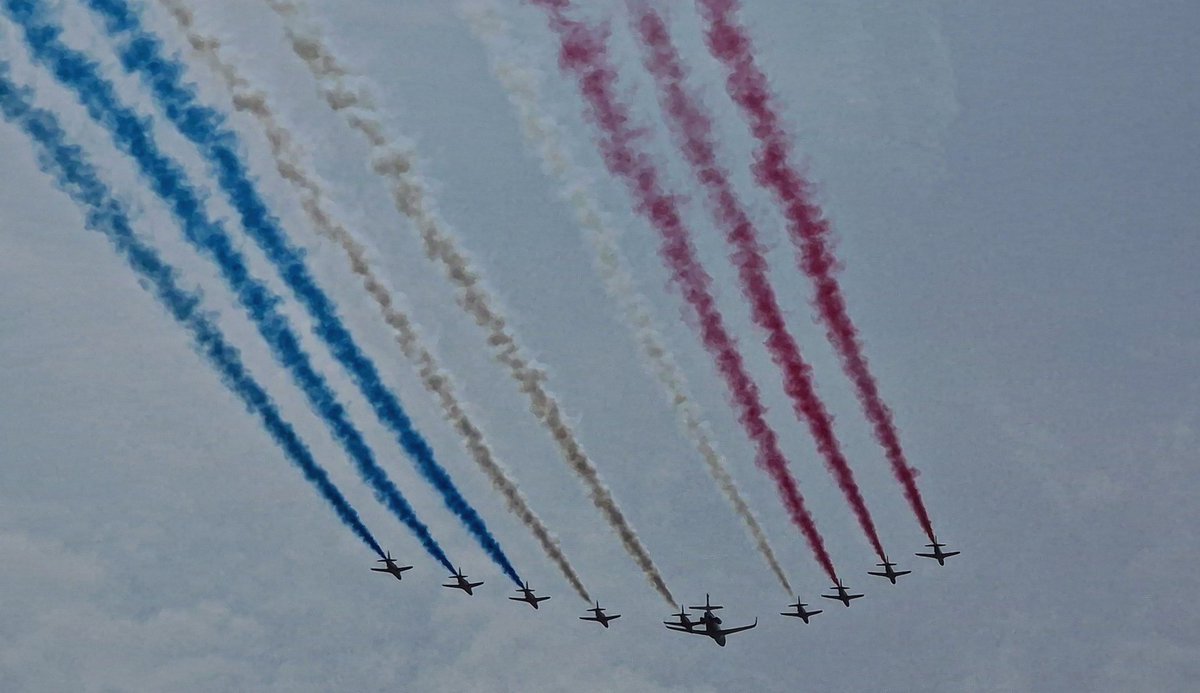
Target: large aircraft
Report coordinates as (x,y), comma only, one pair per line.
(599,617)
(889,570)
(841,596)
(460,582)
(527,597)
(939,555)
(800,612)
(709,624)
(391,567)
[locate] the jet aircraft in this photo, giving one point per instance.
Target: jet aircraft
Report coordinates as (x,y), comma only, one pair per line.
(391,567)
(461,583)
(684,621)
(599,616)
(709,624)
(842,595)
(527,597)
(938,555)
(800,612)
(889,570)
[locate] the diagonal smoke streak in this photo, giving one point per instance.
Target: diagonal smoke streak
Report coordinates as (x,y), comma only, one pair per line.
(77,177)
(167,180)
(313,199)
(584,52)
(746,84)
(397,165)
(692,126)
(522,83)
(141,53)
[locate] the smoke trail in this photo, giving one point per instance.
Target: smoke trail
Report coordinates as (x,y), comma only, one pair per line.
(168,181)
(314,201)
(397,165)
(584,53)
(692,127)
(521,82)
(746,84)
(141,54)
(75,175)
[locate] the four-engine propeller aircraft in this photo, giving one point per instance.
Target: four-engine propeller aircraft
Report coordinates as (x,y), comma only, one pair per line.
(598,616)
(460,582)
(709,624)
(800,612)
(889,570)
(938,555)
(842,595)
(391,567)
(528,598)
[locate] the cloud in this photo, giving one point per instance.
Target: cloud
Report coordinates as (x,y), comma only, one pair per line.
(1157,664)
(63,630)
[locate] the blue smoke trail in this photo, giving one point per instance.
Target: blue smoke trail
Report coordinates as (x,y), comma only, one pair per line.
(141,53)
(168,181)
(74,175)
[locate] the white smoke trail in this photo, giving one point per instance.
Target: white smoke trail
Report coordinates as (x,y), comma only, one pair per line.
(522,83)
(350,97)
(248,99)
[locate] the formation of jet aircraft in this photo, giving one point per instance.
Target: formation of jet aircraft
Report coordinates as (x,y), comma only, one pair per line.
(707,623)
(390,567)
(461,582)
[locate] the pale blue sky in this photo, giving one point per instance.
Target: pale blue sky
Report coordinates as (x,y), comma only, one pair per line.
(1014,191)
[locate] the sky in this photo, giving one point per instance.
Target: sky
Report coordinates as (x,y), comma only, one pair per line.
(1013,187)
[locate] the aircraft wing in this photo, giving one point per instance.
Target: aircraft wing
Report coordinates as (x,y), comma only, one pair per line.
(731,631)
(881,574)
(929,555)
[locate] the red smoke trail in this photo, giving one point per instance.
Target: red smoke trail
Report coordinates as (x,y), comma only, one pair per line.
(584,53)
(747,86)
(693,126)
